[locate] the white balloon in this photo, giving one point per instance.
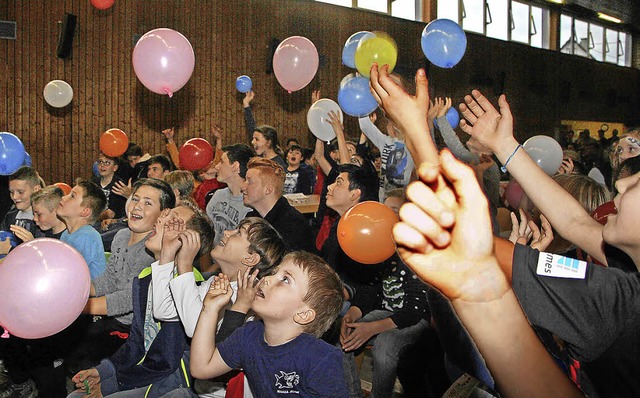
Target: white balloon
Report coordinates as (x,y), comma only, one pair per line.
(317,115)
(58,93)
(545,151)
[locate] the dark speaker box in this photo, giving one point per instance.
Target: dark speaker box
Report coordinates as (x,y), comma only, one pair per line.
(65,41)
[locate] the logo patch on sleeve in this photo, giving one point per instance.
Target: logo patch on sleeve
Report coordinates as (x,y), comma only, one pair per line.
(557,266)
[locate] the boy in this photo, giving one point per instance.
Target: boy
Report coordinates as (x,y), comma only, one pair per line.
(44,204)
(79,210)
(282,354)
(300,177)
(151,362)
(226,208)
(107,179)
(24,182)
(158,167)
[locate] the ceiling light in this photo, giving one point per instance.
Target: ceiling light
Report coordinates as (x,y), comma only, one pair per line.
(608,18)
(557,1)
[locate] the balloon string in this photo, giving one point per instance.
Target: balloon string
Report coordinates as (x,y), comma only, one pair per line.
(169,93)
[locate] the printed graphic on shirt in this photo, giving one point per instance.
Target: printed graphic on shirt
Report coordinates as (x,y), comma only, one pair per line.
(225,217)
(392,292)
(286,382)
(557,266)
(291,182)
(396,164)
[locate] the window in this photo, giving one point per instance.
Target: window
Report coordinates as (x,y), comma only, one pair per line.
(590,40)
(407,9)
(498,21)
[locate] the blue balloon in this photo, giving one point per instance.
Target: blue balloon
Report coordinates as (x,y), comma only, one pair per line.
(12,238)
(350,46)
(444,43)
(95,169)
(453,117)
(244,83)
(12,153)
(355,98)
(27,159)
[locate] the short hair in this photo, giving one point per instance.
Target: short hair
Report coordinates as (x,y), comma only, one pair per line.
(293,139)
(270,134)
(325,290)
(167,197)
(182,181)
(299,149)
(270,171)
(265,241)
(114,159)
(48,197)
(202,224)
(133,150)
(240,153)
(93,198)
(363,178)
(28,174)
(396,193)
(162,160)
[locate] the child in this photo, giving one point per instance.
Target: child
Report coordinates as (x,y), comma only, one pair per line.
(79,210)
(24,182)
(107,168)
(182,183)
(159,166)
(282,354)
(299,176)
(44,204)
(151,362)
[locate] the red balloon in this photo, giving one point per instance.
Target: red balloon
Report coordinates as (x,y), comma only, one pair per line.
(364,232)
(65,187)
(102,4)
(114,142)
(195,154)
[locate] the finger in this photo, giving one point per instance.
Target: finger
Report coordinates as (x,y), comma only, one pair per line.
(466,112)
(374,84)
(425,198)
(422,87)
(473,107)
(428,172)
(523,221)
(468,192)
(505,109)
(408,237)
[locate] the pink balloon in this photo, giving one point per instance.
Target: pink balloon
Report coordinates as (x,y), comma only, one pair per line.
(163,60)
(513,194)
(44,286)
(295,63)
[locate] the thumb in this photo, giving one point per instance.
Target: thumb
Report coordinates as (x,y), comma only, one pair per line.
(422,87)
(505,109)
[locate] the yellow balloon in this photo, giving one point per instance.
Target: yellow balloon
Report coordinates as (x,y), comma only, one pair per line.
(381,49)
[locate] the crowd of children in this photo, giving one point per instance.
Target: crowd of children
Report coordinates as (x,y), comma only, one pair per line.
(197,274)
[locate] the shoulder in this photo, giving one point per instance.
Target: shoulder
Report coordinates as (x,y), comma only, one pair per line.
(121,237)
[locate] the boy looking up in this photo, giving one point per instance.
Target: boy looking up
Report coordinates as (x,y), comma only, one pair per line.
(79,209)
(24,182)
(282,354)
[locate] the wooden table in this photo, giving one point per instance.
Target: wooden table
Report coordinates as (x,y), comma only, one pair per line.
(304,203)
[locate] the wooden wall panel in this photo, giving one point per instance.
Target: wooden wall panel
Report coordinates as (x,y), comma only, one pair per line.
(231,38)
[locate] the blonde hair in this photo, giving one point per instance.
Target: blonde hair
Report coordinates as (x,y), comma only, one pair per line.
(633,136)
(182,181)
(49,197)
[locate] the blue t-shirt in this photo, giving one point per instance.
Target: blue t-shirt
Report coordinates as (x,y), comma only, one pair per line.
(305,366)
(88,242)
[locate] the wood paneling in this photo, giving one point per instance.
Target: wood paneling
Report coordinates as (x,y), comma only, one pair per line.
(231,38)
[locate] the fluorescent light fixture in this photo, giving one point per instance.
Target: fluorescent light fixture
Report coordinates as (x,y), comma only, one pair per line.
(608,18)
(557,1)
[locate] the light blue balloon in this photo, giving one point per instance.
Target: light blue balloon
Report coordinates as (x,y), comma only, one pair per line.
(453,117)
(27,159)
(244,83)
(11,153)
(355,98)
(350,46)
(444,43)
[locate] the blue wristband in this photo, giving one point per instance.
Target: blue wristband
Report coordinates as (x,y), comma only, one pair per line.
(504,167)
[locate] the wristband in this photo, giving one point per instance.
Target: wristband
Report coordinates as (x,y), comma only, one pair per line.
(504,167)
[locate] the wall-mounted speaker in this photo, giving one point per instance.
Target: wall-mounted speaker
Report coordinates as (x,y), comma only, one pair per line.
(65,40)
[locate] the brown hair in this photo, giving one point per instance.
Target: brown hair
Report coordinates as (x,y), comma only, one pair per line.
(182,181)
(324,293)
(93,197)
(28,174)
(200,223)
(265,241)
(271,172)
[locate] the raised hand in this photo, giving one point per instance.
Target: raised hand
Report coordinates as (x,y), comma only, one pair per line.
(520,229)
(219,294)
(21,233)
(171,230)
(168,134)
(190,240)
(122,189)
(457,256)
(315,96)
(443,106)
(248,97)
(542,237)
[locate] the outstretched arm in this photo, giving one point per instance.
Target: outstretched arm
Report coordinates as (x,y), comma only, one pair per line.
(494,129)
(459,261)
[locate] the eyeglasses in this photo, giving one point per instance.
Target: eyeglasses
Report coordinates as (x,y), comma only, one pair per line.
(105,162)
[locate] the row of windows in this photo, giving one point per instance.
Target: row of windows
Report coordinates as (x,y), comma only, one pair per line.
(515,21)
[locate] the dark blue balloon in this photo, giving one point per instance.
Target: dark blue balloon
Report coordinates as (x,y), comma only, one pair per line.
(444,43)
(354,97)
(27,159)
(95,169)
(350,47)
(11,153)
(453,117)
(244,83)
(12,238)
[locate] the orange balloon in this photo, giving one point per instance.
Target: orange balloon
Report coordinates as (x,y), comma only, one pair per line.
(114,142)
(65,187)
(364,232)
